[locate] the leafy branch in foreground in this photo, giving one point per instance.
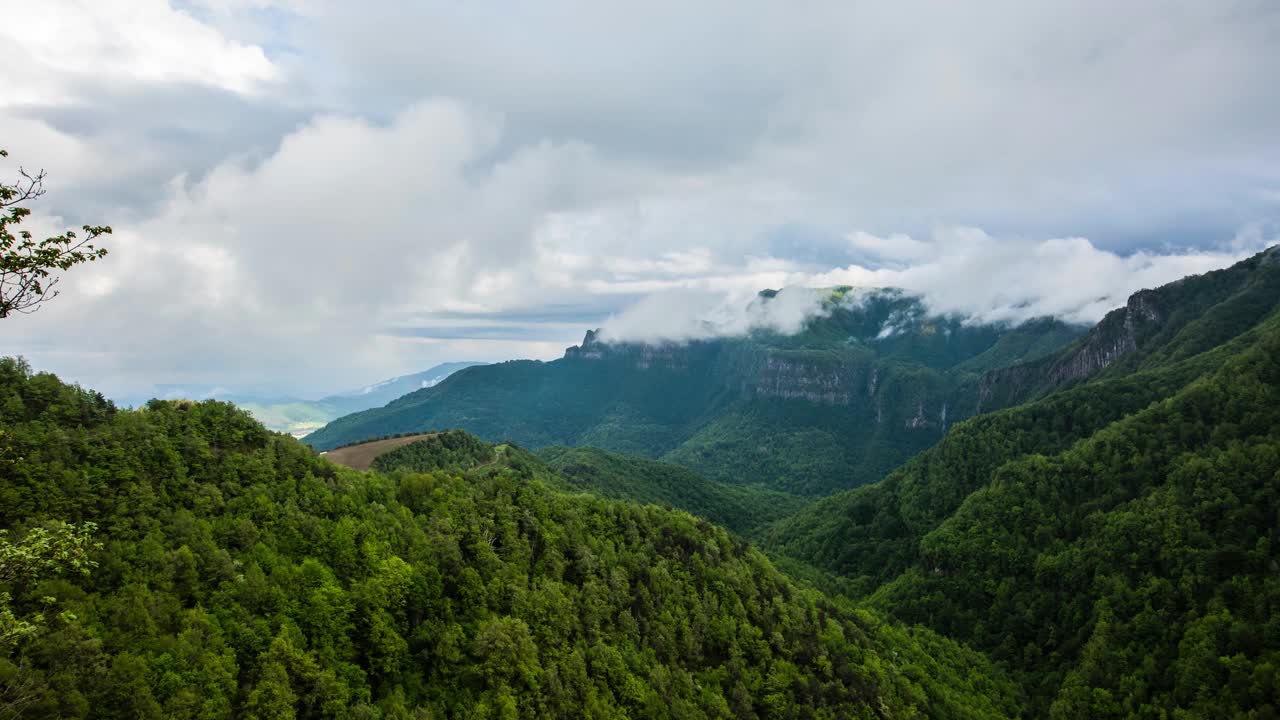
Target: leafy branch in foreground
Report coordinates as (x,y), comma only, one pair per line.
(41,552)
(28,266)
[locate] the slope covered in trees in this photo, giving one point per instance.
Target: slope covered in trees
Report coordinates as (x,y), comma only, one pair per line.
(1113,544)
(870,381)
(452,450)
(242,575)
(1135,571)
(627,477)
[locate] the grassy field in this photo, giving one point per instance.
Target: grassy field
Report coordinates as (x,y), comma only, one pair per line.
(360,457)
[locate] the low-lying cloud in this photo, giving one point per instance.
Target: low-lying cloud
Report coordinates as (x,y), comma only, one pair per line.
(685,314)
(957,271)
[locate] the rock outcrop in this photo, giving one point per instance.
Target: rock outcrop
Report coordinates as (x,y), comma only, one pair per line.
(1117,335)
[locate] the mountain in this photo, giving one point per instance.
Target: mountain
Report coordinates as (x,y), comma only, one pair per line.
(1114,540)
(235,573)
(298,417)
(871,380)
(381,393)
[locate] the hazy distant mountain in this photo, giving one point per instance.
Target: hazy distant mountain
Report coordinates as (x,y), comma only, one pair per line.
(297,416)
(381,393)
(300,417)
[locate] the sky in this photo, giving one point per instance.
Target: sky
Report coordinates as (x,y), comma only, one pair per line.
(311,195)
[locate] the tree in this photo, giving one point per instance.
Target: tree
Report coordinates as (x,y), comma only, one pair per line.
(42,552)
(28,266)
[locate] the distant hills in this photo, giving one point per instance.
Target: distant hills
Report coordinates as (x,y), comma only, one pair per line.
(870,381)
(299,417)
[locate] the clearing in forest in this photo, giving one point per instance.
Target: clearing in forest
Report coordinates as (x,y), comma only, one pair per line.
(360,457)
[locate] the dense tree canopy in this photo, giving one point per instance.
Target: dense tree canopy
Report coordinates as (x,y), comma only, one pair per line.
(612,475)
(1109,549)
(243,575)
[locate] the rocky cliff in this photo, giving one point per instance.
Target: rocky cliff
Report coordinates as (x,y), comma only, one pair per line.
(1181,317)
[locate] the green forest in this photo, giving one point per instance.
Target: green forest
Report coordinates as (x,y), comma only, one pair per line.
(234,573)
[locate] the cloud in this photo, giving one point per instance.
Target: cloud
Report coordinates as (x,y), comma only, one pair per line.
(62,45)
(957,271)
(970,273)
(1031,117)
(298,262)
(685,314)
(315,194)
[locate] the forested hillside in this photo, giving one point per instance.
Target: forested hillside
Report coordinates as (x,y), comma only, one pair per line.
(626,477)
(869,382)
(241,575)
(1115,544)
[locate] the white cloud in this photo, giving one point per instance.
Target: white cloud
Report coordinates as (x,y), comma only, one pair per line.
(960,271)
(989,279)
(684,314)
(59,45)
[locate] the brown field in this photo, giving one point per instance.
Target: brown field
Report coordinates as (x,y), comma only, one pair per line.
(360,457)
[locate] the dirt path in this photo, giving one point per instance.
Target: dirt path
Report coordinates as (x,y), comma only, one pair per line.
(360,457)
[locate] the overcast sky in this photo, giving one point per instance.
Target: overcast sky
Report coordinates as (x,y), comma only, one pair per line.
(313,194)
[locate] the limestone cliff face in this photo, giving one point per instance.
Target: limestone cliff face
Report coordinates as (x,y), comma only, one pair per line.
(1186,316)
(781,377)
(662,356)
(1113,338)
(925,418)
(1117,335)
(753,372)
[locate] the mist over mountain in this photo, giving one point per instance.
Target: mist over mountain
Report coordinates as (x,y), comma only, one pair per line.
(961,272)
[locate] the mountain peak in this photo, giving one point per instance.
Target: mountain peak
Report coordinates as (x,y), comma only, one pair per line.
(591,348)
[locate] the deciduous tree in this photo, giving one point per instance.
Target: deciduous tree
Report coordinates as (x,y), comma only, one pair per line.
(28,267)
